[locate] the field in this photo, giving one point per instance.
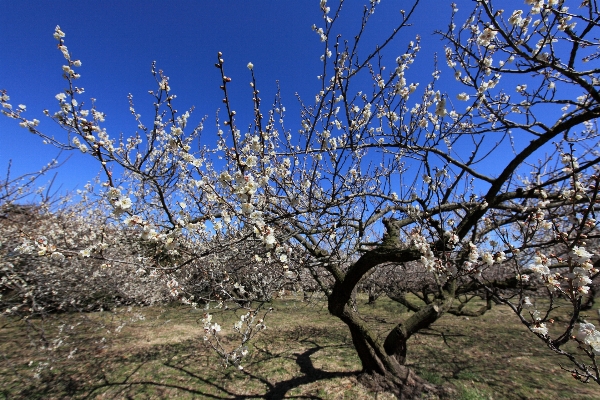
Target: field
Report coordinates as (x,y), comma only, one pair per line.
(303,354)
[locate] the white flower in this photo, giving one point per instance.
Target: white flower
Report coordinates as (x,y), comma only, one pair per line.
(539,328)
(123,203)
(582,253)
(515,18)
(463,96)
(440,108)
(207,318)
(251,161)
(487,258)
(58,34)
(270,240)
(247,208)
(451,237)
(133,220)
(539,266)
(590,336)
(486,37)
(238,326)
(250,66)
(65,51)
(85,252)
(500,257)
(540,269)
(225,177)
(583,289)
(240,288)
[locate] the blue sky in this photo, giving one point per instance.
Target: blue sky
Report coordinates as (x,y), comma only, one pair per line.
(117,41)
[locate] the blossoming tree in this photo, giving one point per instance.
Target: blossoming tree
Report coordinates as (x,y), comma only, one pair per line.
(487,190)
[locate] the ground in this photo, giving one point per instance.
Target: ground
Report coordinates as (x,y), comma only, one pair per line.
(304,353)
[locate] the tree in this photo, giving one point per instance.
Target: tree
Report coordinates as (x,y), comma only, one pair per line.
(472,199)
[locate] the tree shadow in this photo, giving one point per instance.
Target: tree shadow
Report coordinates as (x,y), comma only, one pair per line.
(308,374)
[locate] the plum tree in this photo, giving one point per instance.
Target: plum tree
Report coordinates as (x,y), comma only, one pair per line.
(454,193)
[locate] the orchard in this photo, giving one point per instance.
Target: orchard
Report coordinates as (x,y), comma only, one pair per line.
(478,185)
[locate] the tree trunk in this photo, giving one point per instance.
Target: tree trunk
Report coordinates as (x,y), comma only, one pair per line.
(382,371)
(395,342)
(383,363)
(372,298)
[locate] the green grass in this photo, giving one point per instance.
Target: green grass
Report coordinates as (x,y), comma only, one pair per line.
(304,353)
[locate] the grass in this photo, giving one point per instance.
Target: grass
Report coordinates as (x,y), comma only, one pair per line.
(304,353)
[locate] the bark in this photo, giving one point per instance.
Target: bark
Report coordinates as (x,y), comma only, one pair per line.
(383,371)
(395,343)
(383,363)
(372,298)
(400,297)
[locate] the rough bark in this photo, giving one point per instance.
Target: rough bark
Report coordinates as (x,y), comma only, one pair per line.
(383,371)
(395,343)
(383,363)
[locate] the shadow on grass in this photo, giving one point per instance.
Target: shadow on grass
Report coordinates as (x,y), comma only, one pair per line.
(309,374)
(274,390)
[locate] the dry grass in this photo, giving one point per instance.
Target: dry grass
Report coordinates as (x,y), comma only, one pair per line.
(304,353)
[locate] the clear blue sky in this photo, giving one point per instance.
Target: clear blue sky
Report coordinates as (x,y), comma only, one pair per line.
(117,41)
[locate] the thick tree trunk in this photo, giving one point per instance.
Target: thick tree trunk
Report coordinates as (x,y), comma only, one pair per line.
(383,363)
(370,362)
(382,371)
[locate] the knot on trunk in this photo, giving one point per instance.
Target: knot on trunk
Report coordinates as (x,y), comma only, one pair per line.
(391,237)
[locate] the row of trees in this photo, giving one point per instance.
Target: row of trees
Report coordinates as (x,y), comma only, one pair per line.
(488,191)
